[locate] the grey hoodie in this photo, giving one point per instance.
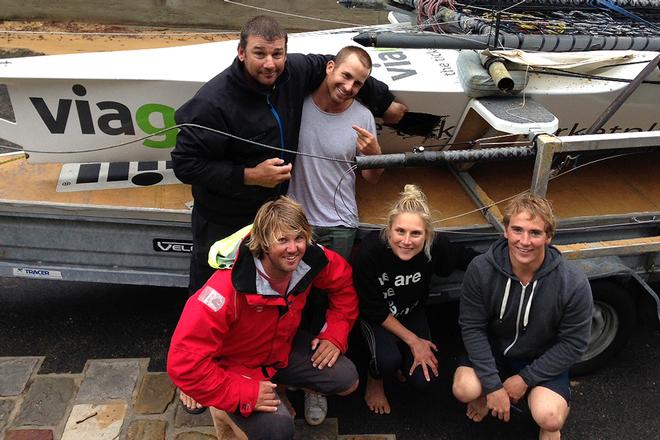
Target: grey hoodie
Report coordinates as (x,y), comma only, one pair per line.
(547,322)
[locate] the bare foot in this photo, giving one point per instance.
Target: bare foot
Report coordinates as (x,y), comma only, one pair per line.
(281,393)
(375,396)
(477,409)
(188,401)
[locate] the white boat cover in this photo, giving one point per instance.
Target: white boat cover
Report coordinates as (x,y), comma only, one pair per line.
(583,62)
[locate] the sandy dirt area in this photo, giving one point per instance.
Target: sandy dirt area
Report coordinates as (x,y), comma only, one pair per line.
(18,38)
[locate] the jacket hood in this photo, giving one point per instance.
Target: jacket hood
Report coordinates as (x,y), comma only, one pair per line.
(498,257)
(244,272)
(239,78)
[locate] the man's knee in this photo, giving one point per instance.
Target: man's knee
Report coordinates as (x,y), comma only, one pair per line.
(466,386)
(550,419)
(346,378)
(342,378)
(350,389)
(549,409)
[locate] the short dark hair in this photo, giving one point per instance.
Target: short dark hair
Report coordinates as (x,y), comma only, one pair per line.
(361,54)
(262,26)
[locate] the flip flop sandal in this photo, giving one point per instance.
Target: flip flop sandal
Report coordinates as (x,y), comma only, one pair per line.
(193,411)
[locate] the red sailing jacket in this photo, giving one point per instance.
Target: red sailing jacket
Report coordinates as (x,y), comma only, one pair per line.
(233,334)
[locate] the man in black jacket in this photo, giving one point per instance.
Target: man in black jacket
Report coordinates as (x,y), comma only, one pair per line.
(525,317)
(259,99)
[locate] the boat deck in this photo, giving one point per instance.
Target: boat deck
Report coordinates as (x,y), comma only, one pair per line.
(619,186)
(34,187)
(624,185)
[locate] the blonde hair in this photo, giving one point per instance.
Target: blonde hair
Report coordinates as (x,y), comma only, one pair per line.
(412,201)
(274,219)
(536,206)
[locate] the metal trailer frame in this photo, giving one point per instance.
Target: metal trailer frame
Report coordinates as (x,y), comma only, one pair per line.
(611,252)
(101,244)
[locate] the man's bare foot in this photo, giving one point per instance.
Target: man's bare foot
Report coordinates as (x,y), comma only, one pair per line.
(375,396)
(189,402)
(477,409)
(281,393)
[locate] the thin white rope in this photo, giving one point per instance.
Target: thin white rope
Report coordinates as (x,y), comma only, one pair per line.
(290,14)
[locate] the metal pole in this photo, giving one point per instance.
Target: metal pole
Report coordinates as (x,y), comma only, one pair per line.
(623,96)
(436,158)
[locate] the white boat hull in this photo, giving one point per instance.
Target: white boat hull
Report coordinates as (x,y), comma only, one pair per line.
(105,107)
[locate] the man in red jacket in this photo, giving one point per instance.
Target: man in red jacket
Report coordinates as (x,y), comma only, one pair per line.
(238,336)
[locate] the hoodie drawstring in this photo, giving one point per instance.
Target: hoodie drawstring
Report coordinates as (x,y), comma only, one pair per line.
(520,307)
(529,305)
(506,298)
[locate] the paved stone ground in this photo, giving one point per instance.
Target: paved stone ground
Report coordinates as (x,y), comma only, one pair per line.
(110,399)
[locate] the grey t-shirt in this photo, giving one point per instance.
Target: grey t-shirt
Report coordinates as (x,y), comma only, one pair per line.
(315,181)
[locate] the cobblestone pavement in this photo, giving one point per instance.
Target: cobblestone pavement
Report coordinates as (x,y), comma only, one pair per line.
(110,399)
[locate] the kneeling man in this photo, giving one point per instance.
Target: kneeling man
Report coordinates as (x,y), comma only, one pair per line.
(238,335)
(525,317)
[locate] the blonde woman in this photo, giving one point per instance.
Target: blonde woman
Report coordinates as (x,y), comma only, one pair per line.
(392,274)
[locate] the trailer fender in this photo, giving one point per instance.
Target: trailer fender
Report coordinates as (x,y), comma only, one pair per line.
(613,267)
(616,289)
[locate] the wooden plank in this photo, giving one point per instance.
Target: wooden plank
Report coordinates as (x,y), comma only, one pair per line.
(631,246)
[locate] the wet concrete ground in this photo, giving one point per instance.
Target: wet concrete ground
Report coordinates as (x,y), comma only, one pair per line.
(69,323)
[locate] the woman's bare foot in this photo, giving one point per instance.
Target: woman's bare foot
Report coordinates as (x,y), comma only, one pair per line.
(375,396)
(189,402)
(281,393)
(477,409)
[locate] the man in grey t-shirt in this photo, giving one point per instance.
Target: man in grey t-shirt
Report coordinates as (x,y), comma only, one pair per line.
(333,125)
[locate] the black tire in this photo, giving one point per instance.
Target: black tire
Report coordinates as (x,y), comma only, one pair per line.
(612,324)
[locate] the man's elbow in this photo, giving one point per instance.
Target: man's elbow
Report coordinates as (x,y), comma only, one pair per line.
(183,169)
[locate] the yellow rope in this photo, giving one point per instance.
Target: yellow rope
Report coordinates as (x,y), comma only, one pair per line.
(19,157)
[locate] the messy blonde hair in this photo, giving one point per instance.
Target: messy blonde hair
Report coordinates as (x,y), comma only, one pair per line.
(536,206)
(273,220)
(413,201)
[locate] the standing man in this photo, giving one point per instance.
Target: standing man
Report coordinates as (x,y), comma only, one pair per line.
(525,317)
(333,125)
(238,336)
(258,98)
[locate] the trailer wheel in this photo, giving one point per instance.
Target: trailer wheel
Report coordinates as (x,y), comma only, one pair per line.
(612,323)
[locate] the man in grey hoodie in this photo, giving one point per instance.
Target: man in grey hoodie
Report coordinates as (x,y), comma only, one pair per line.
(525,317)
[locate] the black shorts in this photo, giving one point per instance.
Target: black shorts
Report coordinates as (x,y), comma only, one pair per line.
(508,367)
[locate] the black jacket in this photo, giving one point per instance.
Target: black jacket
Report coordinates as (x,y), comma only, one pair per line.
(214,164)
(388,285)
(548,321)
